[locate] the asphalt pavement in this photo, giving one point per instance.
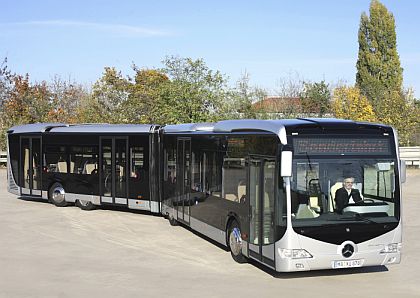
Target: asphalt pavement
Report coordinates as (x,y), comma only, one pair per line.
(46,251)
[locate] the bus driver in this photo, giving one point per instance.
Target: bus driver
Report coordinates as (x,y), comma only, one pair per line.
(346,195)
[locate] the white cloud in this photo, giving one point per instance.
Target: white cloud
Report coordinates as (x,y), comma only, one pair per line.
(118,29)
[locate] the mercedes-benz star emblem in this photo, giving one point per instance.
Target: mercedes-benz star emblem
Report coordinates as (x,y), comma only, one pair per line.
(347,250)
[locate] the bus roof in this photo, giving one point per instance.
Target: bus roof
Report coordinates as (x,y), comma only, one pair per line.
(81,128)
(278,127)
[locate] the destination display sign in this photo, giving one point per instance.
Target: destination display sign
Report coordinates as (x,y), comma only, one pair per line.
(341,146)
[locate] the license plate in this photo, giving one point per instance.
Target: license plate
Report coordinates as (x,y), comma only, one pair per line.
(347,264)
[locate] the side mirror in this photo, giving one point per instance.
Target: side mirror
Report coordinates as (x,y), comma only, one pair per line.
(403,169)
(286,161)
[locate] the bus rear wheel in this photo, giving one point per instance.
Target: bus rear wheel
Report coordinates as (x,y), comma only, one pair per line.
(235,242)
(85,205)
(57,195)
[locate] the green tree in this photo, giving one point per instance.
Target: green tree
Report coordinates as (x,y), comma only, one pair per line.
(143,102)
(243,98)
(378,66)
(193,93)
(110,94)
(90,110)
(379,73)
(316,98)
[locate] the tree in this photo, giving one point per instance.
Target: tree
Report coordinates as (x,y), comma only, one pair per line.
(243,98)
(349,103)
(66,97)
(316,98)
(143,102)
(379,73)
(27,103)
(193,93)
(378,65)
(290,86)
(398,110)
(6,81)
(110,93)
(289,89)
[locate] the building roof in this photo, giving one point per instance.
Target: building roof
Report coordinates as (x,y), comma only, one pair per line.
(277,104)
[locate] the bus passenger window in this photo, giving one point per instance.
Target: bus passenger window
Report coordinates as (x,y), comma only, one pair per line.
(234,178)
(136,161)
(55,159)
(84,160)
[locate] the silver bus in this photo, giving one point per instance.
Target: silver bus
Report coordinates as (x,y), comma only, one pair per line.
(267,190)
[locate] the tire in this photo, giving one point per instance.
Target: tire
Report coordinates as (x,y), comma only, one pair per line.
(172,221)
(85,205)
(234,242)
(57,195)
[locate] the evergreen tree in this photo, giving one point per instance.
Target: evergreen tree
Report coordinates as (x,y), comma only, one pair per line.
(379,73)
(378,66)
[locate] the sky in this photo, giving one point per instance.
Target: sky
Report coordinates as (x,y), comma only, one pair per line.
(271,41)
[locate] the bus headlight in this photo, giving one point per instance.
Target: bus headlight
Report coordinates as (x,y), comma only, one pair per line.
(391,248)
(286,253)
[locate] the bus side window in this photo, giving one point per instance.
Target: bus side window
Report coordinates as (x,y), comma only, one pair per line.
(136,162)
(55,159)
(84,160)
(234,177)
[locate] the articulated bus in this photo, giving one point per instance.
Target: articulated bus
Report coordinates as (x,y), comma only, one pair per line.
(266,189)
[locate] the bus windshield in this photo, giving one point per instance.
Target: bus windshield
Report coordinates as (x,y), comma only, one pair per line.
(336,190)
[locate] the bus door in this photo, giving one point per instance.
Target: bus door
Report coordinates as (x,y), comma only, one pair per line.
(183,183)
(261,194)
(113,165)
(31,166)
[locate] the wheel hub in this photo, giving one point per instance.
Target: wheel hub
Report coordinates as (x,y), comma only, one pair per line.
(235,241)
(58,194)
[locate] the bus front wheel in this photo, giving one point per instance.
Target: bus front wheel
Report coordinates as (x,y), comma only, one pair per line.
(235,242)
(57,195)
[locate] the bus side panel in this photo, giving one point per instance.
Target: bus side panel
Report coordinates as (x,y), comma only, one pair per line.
(13,164)
(218,188)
